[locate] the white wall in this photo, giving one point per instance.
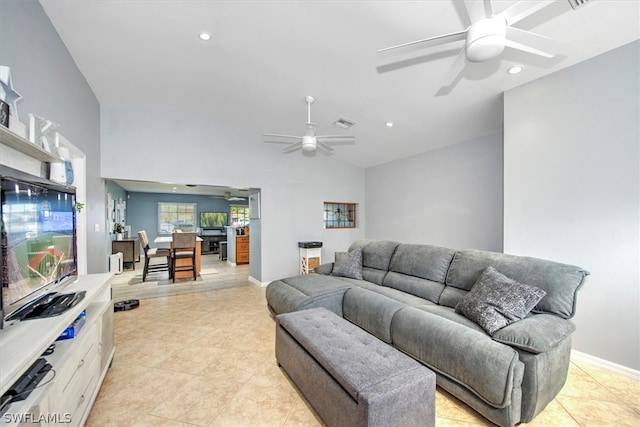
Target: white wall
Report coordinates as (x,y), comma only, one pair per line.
(51,86)
(188,147)
(448,197)
(572,190)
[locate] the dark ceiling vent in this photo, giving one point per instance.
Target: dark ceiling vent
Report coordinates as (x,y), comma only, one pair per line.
(578,3)
(344,123)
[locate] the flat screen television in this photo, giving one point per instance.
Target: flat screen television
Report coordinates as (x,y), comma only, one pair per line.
(213,219)
(38,245)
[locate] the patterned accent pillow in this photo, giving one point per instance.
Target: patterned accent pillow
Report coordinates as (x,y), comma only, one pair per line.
(348,264)
(496,301)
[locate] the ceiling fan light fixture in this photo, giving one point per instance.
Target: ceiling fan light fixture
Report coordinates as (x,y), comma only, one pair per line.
(308,143)
(486,39)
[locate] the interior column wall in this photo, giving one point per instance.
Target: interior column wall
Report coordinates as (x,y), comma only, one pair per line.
(572,190)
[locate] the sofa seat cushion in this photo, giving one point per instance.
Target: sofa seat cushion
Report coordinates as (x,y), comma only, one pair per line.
(535,333)
(450,314)
(488,369)
(306,291)
(370,311)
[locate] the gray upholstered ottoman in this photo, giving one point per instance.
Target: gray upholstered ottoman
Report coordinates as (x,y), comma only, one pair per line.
(350,377)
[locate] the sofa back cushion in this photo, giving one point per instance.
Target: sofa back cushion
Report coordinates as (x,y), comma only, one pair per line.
(419,270)
(376,257)
(560,281)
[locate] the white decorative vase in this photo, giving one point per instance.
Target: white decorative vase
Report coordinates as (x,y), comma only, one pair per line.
(119,236)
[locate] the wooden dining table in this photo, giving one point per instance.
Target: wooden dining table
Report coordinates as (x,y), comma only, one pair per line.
(163,240)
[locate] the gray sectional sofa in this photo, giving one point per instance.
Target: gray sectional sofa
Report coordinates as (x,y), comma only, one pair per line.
(419,299)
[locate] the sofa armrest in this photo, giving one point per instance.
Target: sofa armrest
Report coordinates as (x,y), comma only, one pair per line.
(325,269)
(536,333)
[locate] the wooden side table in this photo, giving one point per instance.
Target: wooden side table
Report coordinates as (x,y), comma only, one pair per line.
(130,249)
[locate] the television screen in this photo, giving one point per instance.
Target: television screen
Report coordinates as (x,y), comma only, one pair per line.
(213,219)
(38,239)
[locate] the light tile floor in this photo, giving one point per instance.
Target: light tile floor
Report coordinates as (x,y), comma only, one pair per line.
(207,359)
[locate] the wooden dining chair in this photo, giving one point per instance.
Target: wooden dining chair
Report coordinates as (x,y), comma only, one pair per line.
(184,248)
(150,253)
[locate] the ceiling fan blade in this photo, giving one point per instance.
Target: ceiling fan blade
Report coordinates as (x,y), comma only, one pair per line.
(277,135)
(324,148)
(431,41)
(453,74)
(523,9)
(345,137)
(527,41)
(294,147)
(478,10)
(336,139)
(280,142)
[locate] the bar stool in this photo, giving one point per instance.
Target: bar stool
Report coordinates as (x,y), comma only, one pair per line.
(153,253)
(184,248)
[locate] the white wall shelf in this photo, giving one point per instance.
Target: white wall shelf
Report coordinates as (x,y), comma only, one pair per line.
(10,139)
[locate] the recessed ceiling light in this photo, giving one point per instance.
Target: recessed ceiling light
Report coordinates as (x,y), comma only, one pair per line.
(389,124)
(205,36)
(515,69)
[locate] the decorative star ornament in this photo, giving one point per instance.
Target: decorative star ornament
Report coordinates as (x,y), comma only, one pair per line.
(7,94)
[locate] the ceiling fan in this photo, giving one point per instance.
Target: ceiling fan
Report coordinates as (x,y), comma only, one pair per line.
(309,142)
(227,196)
(489,34)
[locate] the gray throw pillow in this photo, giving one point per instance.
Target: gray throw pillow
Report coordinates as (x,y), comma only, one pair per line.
(348,264)
(496,301)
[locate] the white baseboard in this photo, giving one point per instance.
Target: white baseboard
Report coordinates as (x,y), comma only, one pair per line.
(257,282)
(605,364)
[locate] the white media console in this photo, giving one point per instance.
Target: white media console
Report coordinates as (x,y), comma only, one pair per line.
(79,365)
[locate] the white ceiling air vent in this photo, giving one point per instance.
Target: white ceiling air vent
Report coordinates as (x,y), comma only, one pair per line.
(344,123)
(578,3)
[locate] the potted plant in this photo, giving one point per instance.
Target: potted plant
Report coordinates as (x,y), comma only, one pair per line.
(119,230)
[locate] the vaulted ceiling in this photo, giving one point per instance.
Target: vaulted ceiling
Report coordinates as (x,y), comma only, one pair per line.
(265,56)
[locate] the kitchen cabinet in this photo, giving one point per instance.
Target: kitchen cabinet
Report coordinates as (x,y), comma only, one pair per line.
(242,249)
